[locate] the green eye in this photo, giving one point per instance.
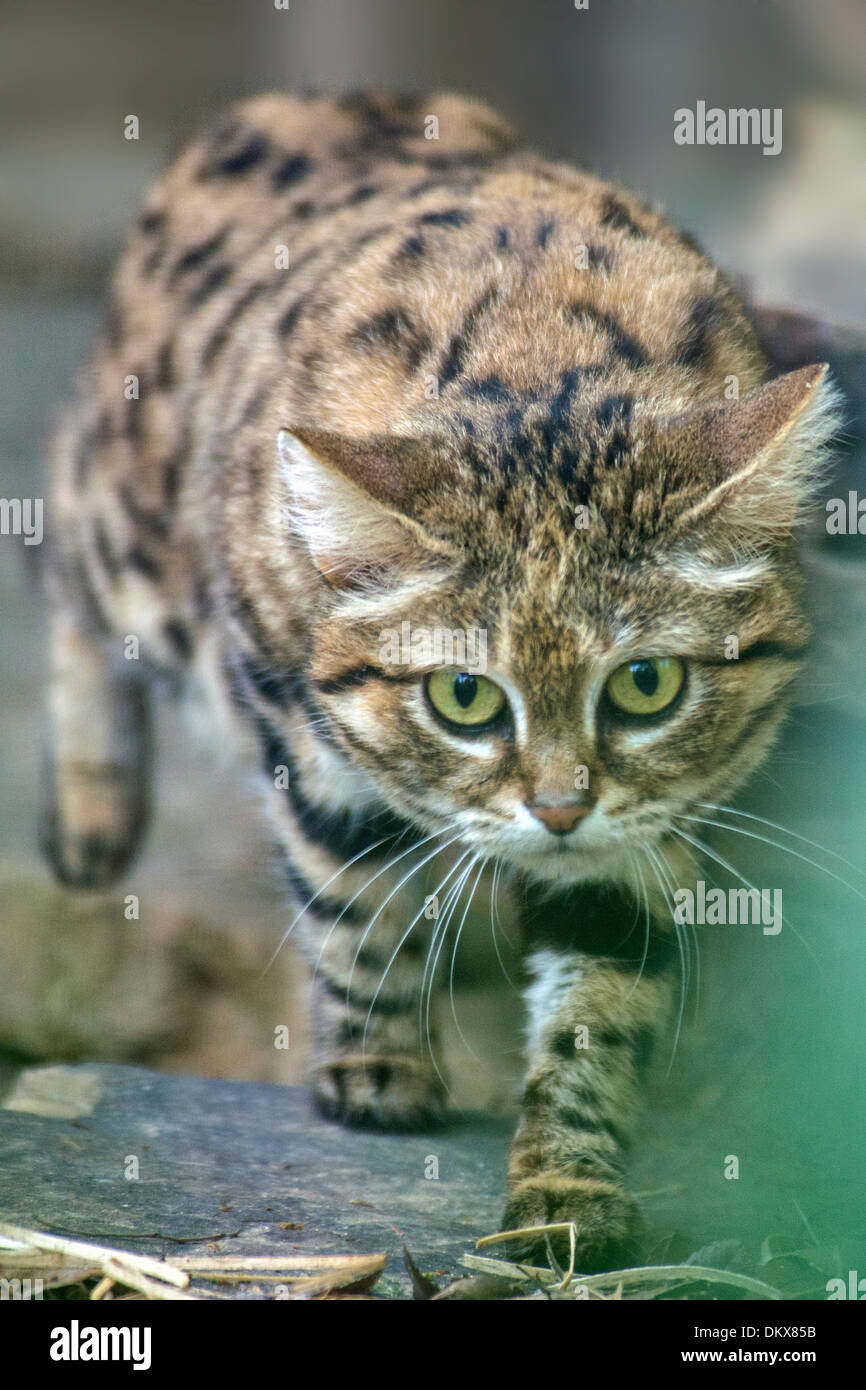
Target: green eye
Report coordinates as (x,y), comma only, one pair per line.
(646,686)
(464,699)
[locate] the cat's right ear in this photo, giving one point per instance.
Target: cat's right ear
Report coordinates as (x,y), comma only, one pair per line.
(764,453)
(352,502)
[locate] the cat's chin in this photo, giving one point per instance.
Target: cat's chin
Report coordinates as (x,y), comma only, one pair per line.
(571,865)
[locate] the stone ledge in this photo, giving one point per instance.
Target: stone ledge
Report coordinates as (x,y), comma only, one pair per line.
(224,1165)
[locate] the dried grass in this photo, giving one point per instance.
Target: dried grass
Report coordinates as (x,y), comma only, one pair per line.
(60,1262)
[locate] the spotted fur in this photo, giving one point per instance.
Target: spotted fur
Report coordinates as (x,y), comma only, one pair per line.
(488,391)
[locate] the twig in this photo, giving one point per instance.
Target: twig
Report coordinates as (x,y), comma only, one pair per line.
(123,1273)
(94,1254)
(645,1274)
(201,1264)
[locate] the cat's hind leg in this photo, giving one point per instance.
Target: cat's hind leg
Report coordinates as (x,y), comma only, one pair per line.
(96,762)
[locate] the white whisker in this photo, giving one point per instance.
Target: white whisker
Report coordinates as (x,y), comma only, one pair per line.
(723,863)
(454,955)
(672,886)
(685,960)
(495,924)
(647,926)
(296,919)
(389,864)
(730,811)
(439,936)
(400,944)
(381,908)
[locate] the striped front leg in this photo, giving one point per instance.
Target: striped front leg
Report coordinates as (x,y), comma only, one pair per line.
(369,1064)
(593,1020)
(366,938)
(357,875)
(367,946)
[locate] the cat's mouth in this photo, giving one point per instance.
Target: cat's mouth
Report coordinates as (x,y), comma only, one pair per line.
(599,848)
(575,857)
(569,863)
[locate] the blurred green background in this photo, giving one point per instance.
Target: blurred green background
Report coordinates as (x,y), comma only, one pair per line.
(772,1059)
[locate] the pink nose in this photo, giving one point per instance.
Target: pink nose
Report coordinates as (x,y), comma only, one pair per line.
(559,816)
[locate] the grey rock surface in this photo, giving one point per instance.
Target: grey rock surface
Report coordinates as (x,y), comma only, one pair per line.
(232,1163)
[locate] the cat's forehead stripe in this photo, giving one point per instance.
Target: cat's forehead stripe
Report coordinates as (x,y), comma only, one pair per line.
(704,574)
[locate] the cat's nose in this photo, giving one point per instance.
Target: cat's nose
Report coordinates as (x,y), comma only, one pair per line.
(560,816)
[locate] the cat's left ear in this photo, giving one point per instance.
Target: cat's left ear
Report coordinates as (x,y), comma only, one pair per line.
(765,452)
(354,502)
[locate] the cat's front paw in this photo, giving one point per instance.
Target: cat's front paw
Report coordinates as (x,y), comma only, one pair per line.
(380,1092)
(604,1216)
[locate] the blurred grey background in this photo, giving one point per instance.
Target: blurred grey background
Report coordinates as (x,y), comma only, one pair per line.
(772,1063)
(596,86)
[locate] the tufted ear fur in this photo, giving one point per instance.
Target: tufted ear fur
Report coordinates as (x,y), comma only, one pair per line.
(764,453)
(351,500)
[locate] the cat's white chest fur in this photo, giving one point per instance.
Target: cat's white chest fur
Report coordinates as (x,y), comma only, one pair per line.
(554,975)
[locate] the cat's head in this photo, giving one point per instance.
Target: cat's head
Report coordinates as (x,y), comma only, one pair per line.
(556,641)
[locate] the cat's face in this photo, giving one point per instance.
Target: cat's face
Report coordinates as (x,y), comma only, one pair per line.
(551,684)
(559,717)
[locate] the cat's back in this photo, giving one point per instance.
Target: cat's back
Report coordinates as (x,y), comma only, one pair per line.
(269,208)
(282,192)
(366,264)
(312,237)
